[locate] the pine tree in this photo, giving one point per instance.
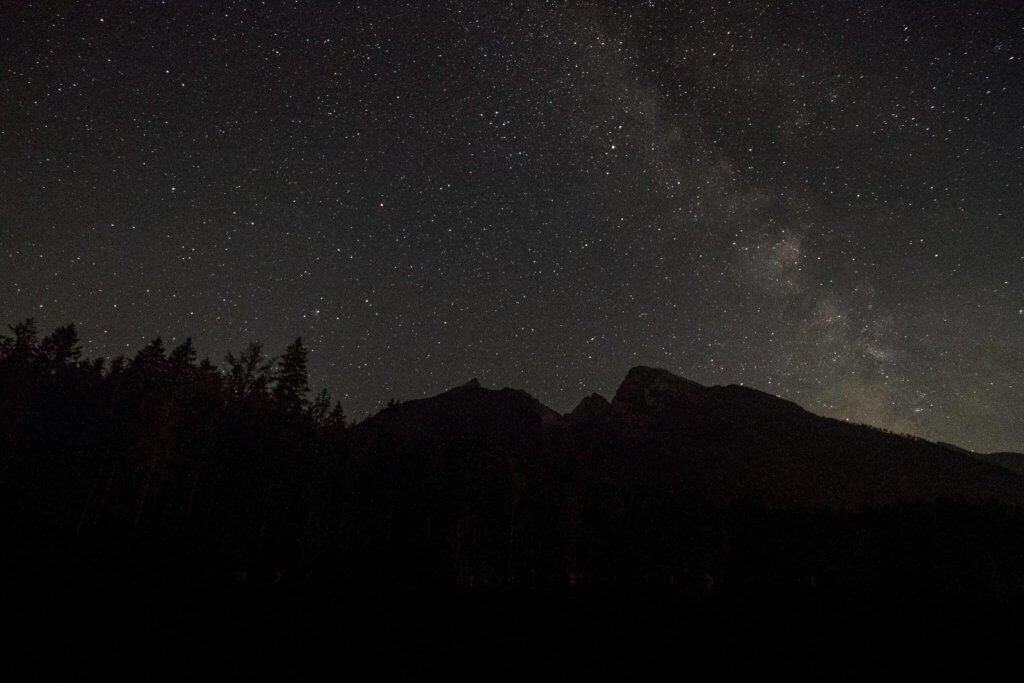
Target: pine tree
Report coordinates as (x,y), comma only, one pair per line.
(292,382)
(249,372)
(336,419)
(183,357)
(23,346)
(320,407)
(61,346)
(151,360)
(117,365)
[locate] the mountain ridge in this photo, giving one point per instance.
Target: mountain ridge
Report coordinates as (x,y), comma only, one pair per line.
(725,442)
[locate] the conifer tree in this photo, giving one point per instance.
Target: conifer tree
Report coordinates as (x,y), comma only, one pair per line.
(151,360)
(336,419)
(183,357)
(61,346)
(23,345)
(117,365)
(291,379)
(320,407)
(249,372)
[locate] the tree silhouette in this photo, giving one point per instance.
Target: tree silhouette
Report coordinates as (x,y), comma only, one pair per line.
(291,379)
(61,346)
(249,373)
(21,347)
(168,467)
(320,407)
(336,418)
(183,357)
(151,360)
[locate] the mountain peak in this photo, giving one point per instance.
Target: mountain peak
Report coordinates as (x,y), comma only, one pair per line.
(591,406)
(647,387)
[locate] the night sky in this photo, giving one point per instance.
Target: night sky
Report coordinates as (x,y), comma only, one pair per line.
(821,200)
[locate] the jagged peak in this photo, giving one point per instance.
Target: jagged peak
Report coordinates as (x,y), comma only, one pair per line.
(648,387)
(464,405)
(648,373)
(471,385)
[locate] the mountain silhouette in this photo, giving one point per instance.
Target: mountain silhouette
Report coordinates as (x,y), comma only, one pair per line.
(718,442)
(1011,461)
(1007,460)
(466,412)
(590,407)
(159,500)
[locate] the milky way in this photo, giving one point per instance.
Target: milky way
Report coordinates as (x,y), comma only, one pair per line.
(821,200)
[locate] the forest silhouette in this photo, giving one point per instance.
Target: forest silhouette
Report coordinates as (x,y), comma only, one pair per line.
(160,505)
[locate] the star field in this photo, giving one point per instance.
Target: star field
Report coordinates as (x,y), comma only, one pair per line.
(823,201)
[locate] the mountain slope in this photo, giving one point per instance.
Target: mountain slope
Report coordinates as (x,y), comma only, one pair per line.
(666,435)
(1011,461)
(465,413)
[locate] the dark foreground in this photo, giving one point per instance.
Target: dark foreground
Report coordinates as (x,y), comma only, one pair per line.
(161,518)
(84,617)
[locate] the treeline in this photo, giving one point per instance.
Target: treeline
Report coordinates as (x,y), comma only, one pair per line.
(164,516)
(164,448)
(174,461)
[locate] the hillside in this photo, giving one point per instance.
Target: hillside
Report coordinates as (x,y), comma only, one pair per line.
(722,443)
(160,500)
